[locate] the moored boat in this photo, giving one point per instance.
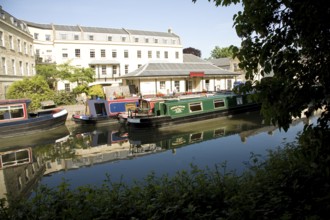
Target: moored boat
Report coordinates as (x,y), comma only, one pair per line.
(102,111)
(177,111)
(15,119)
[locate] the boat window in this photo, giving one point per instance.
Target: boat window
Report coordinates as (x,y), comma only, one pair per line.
(8,112)
(196,137)
(196,106)
(239,100)
(218,103)
(100,109)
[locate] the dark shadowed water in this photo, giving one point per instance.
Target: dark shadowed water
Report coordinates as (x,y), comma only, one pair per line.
(86,155)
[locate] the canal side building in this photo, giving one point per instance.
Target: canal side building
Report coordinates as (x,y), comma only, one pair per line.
(192,75)
(111,52)
(16,51)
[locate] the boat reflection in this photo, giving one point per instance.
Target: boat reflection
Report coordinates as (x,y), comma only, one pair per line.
(89,145)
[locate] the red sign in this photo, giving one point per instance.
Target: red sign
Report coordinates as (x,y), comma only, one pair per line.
(196,74)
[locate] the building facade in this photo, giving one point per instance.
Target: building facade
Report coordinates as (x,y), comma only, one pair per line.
(191,76)
(112,53)
(16,51)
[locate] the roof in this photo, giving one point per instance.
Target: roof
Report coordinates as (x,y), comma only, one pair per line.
(122,31)
(191,64)
(221,61)
(13,21)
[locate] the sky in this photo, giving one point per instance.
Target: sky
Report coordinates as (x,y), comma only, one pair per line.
(200,25)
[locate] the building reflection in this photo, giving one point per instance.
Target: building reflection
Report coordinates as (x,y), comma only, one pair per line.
(23,167)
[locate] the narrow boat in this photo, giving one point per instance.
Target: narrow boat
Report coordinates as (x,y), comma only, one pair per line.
(102,111)
(15,119)
(185,110)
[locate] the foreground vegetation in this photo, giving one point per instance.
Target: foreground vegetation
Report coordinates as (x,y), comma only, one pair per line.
(293,183)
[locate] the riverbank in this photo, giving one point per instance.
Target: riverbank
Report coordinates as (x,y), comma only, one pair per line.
(73,109)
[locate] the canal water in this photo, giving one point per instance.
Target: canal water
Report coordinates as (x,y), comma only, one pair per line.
(86,155)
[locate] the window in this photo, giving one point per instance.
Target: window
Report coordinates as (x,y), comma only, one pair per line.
(162,84)
(114,53)
(147,40)
(239,100)
(47,37)
(77,52)
(36,36)
(149,54)
(164,41)
(126,54)
(156,41)
(14,111)
(67,87)
(13,67)
(136,40)
(166,54)
(177,55)
(91,37)
(158,54)
(139,65)
(65,55)
(11,42)
(25,48)
(114,70)
(4,65)
(31,50)
(21,68)
(177,86)
(126,69)
(109,38)
(27,69)
(173,41)
(104,70)
(19,46)
(139,54)
(92,53)
(123,39)
(2,43)
(195,106)
(76,37)
(103,53)
(37,52)
(63,36)
(218,103)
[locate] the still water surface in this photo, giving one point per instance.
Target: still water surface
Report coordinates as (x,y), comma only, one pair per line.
(86,155)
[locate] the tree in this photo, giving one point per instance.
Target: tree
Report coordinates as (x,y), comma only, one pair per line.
(291,40)
(223,52)
(193,51)
(50,73)
(35,88)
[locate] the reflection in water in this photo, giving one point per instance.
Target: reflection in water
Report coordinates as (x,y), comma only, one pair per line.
(24,165)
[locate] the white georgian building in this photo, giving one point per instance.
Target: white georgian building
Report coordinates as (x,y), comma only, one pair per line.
(111,52)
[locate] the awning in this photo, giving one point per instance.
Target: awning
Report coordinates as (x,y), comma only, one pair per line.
(196,74)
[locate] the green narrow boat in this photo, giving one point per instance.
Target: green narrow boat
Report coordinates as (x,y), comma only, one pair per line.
(184,110)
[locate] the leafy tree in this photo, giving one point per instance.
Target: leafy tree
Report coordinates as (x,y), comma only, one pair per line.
(96,90)
(35,88)
(289,40)
(223,52)
(193,51)
(50,74)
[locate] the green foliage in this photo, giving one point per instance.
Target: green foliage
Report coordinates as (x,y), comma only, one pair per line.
(292,183)
(224,52)
(289,40)
(35,88)
(49,72)
(191,50)
(64,98)
(96,90)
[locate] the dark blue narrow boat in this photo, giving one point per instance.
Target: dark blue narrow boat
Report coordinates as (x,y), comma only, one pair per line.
(15,120)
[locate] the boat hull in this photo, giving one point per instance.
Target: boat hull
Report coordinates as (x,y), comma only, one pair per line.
(40,123)
(162,121)
(86,120)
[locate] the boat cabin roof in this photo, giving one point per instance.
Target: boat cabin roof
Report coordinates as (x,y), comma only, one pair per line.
(15,101)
